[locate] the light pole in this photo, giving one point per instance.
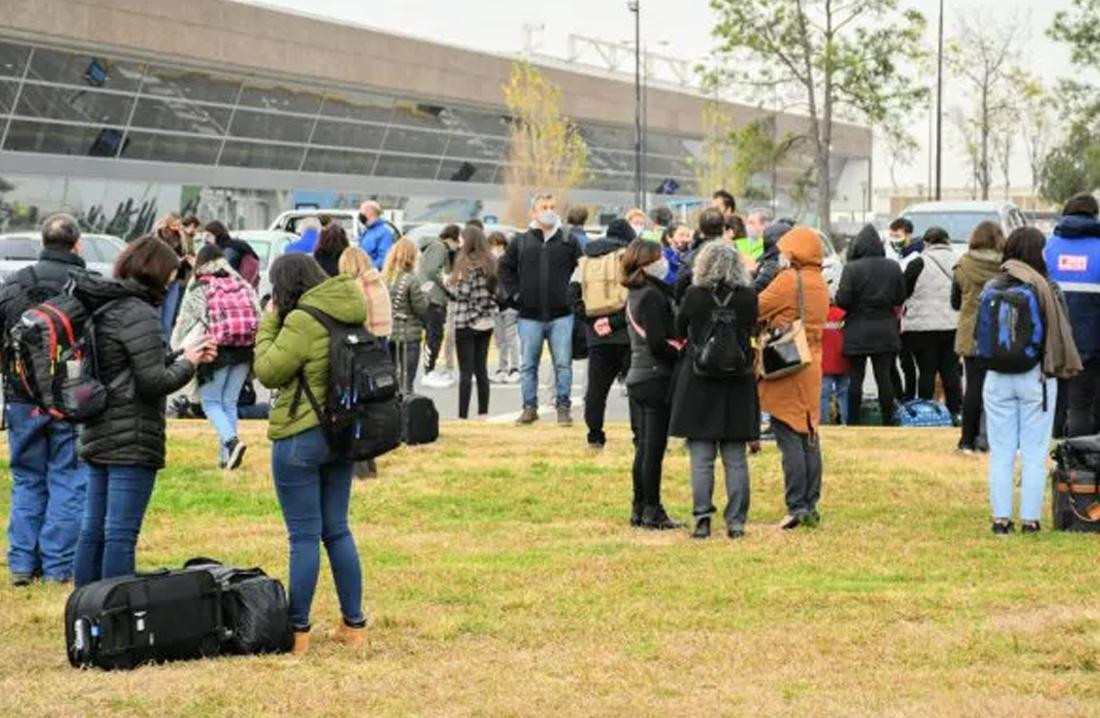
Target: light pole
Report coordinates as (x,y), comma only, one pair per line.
(939,114)
(634,7)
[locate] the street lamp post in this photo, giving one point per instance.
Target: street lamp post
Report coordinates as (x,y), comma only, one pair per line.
(634,7)
(939,113)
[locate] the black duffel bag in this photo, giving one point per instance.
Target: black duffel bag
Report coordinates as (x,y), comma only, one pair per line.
(1075,485)
(254,609)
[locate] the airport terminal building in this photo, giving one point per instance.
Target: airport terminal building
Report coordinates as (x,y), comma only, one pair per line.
(121,110)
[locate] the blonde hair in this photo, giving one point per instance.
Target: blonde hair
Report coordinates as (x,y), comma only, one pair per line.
(402,258)
(354,262)
(632,213)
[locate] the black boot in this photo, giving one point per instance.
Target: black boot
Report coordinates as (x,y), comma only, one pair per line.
(655,518)
(636,516)
(702,528)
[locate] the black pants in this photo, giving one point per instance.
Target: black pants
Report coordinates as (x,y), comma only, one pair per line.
(434,325)
(473,360)
(650,412)
(906,389)
(605,362)
(801,468)
(935,354)
(882,365)
(1083,390)
(406,357)
(972,403)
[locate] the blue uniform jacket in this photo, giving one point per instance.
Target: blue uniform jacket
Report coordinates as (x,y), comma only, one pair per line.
(1073,261)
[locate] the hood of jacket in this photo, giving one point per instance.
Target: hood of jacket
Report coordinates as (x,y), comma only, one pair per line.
(338,297)
(601,247)
(803,246)
(1077,226)
(621,231)
(980,263)
(773,233)
(914,247)
(94,292)
(866,244)
(213,267)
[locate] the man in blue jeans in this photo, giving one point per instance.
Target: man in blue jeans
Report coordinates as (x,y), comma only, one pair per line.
(48,482)
(534,274)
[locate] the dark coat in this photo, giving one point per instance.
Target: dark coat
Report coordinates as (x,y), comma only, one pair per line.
(872,288)
(599,248)
(768,264)
(129,342)
(654,355)
(534,274)
(714,409)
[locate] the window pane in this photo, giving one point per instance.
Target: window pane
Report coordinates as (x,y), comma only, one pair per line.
(7,94)
(66,103)
(188,85)
(662,144)
(358,106)
(611,182)
(423,143)
(477,148)
(281,97)
(269,126)
(464,171)
(611,161)
(419,115)
(339,161)
(84,69)
(181,116)
(667,167)
(13,58)
(346,134)
(249,154)
(480,123)
(400,166)
(24,136)
(613,138)
(171,148)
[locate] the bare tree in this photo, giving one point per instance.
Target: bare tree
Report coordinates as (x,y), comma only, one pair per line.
(984,56)
(1039,126)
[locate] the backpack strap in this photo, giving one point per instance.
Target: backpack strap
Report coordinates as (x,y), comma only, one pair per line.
(303,386)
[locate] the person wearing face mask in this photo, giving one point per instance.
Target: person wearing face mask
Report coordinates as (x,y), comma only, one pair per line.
(534,275)
(654,352)
(377,237)
(908,248)
(637,220)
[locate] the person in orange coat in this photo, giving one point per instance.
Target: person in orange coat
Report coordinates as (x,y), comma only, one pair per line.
(794,401)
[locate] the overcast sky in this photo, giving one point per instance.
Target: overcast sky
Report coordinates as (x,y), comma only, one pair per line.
(679,28)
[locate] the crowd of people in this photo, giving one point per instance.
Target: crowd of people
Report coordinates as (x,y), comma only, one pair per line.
(691,318)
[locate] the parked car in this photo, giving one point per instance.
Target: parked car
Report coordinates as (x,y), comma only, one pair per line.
(349,218)
(833,264)
(21,249)
(269,245)
(422,233)
(960,218)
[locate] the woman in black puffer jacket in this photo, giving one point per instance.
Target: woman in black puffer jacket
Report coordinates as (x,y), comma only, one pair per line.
(124,446)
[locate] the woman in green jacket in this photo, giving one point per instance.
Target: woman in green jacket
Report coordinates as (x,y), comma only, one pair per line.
(312,483)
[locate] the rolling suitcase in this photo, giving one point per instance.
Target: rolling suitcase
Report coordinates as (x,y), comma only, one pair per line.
(254,609)
(123,622)
(419,417)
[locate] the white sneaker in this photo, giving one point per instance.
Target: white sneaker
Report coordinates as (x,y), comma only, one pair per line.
(433,380)
(498,377)
(513,376)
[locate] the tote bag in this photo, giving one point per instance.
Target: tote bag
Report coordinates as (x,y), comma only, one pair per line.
(784,350)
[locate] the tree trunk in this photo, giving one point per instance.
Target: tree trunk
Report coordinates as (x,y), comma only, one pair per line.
(986,176)
(825,146)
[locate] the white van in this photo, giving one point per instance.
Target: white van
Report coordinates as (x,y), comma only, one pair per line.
(960,218)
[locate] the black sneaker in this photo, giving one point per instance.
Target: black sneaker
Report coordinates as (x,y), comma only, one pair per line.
(1030,527)
(21,580)
(1003,528)
(235,448)
(655,518)
(702,528)
(735,534)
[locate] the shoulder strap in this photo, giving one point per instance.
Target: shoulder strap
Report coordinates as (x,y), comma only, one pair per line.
(801,296)
(939,267)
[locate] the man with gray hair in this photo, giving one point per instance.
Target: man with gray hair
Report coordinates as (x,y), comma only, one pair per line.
(752,244)
(48,482)
(377,237)
(534,276)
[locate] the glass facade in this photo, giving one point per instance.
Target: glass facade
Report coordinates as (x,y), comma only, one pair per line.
(81,103)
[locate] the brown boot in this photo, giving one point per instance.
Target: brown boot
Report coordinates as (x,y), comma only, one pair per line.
(301,643)
(350,636)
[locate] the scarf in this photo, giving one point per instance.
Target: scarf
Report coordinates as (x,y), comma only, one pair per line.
(1060,357)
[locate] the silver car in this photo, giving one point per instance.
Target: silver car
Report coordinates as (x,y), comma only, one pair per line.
(960,218)
(21,249)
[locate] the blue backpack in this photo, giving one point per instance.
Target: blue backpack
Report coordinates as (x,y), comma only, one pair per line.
(1009,331)
(922,413)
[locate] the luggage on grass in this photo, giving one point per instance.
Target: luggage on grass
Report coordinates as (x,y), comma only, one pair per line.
(1075,485)
(419,420)
(922,413)
(254,609)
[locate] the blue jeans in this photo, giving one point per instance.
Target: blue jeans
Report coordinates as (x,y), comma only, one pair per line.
(117,498)
(168,309)
(219,401)
(1017,420)
(314,489)
(834,385)
(559,332)
(47,493)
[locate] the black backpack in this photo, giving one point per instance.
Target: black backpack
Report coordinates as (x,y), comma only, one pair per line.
(361,418)
(720,354)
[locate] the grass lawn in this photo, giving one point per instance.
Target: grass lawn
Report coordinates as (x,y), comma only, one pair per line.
(502,580)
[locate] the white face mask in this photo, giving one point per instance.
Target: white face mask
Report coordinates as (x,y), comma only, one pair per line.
(548,218)
(658,269)
(638,229)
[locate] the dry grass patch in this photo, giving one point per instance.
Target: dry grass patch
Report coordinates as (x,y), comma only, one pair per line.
(502,580)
